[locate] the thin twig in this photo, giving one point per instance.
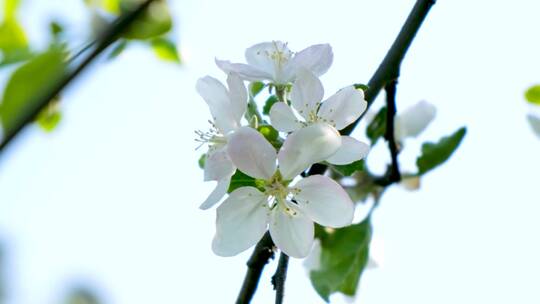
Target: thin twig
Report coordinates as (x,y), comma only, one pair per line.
(263,252)
(387,70)
(108,37)
(278,279)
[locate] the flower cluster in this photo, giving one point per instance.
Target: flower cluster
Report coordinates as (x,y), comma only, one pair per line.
(282,201)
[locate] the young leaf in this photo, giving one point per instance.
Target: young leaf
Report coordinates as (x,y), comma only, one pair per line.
(28,83)
(165,49)
(349,169)
(533,94)
(240,179)
(269,103)
(255,88)
(155,22)
(202,160)
(50,117)
(361,86)
(344,255)
(434,154)
(377,127)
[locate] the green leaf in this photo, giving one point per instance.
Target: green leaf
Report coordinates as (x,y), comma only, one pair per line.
(50,117)
(10,8)
(434,154)
(344,255)
(13,43)
(361,86)
(202,160)
(349,169)
(255,88)
(533,94)
(56,29)
(30,81)
(268,132)
(165,49)
(156,21)
(269,103)
(119,47)
(377,127)
(240,179)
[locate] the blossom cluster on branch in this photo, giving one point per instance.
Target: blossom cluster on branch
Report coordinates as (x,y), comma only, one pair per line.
(281,200)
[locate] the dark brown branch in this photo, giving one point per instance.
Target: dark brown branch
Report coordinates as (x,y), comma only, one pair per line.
(108,37)
(387,70)
(263,252)
(278,279)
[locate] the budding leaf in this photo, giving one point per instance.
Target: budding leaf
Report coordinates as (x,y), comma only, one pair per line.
(165,49)
(349,169)
(434,154)
(255,88)
(202,160)
(269,103)
(533,94)
(50,117)
(240,179)
(377,127)
(344,256)
(27,84)
(155,22)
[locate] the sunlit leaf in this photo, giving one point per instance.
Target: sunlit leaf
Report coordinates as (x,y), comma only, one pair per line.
(165,49)
(349,169)
(10,8)
(50,117)
(434,154)
(533,94)
(255,88)
(377,127)
(240,179)
(13,43)
(344,256)
(156,21)
(27,84)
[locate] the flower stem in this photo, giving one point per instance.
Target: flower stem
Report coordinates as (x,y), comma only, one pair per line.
(278,279)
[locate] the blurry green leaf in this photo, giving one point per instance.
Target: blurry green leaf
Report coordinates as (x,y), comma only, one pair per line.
(49,118)
(434,154)
(30,81)
(348,170)
(119,47)
(155,22)
(344,255)
(10,8)
(269,103)
(361,86)
(533,94)
(268,132)
(82,296)
(377,127)
(240,179)
(165,49)
(56,29)
(255,88)
(13,43)
(202,161)
(110,6)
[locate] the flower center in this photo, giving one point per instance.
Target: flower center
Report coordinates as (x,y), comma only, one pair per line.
(279,194)
(280,56)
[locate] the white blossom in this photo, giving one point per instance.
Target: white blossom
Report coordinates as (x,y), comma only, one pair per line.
(275,62)
(287,211)
(227,107)
(413,120)
(338,111)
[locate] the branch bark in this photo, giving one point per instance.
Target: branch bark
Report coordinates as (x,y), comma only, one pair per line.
(106,39)
(387,70)
(278,279)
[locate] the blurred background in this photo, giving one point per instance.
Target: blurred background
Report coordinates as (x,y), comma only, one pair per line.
(104,209)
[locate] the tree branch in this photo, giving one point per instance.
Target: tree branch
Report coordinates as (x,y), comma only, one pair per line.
(262,253)
(387,70)
(278,279)
(107,38)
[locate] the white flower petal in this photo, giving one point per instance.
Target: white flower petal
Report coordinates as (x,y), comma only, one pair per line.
(324,201)
(307,146)
(350,151)
(273,58)
(245,71)
(252,153)
(316,58)
(413,120)
(313,260)
(292,232)
(241,221)
(237,96)
(217,194)
(283,119)
(218,165)
(343,108)
(217,97)
(307,91)
(534,122)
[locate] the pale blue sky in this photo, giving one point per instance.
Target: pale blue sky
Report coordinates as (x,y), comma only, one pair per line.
(111,197)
